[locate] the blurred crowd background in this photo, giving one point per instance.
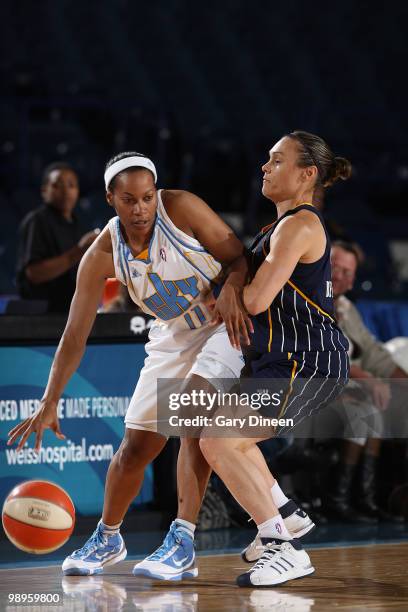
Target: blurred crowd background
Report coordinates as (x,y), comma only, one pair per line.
(205,90)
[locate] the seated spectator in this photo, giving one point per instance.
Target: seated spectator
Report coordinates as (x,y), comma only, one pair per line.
(52,240)
(369,361)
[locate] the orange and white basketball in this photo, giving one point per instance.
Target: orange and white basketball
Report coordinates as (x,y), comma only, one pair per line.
(38,516)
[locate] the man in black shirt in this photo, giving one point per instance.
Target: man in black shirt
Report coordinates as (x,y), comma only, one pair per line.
(52,241)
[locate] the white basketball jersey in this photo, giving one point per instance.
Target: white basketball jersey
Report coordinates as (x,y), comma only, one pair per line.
(169,282)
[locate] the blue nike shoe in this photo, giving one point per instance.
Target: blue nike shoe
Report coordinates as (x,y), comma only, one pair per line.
(101,549)
(173,560)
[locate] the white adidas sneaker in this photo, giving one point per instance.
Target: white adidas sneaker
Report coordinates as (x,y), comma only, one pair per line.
(297,522)
(281,561)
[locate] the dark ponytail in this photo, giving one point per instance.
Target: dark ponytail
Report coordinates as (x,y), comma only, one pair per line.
(314,151)
(340,169)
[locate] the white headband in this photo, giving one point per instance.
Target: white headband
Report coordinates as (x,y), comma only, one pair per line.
(129,162)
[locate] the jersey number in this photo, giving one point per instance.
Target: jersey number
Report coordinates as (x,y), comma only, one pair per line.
(329,289)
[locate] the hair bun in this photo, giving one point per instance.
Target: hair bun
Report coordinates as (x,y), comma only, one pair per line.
(340,169)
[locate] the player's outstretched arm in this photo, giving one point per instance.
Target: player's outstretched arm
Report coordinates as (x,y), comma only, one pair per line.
(95,267)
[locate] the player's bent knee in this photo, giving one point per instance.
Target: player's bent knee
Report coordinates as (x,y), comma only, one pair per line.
(214,449)
(138,449)
(211,449)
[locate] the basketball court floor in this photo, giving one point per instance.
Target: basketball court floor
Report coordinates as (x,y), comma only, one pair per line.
(362,568)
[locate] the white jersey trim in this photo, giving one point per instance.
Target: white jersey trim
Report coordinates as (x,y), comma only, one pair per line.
(179,235)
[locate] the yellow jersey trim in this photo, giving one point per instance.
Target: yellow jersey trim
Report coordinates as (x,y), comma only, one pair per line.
(143,255)
(282,412)
(309,300)
(270,329)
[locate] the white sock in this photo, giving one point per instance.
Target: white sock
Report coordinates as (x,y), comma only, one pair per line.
(190,526)
(274,528)
(110,529)
(278,496)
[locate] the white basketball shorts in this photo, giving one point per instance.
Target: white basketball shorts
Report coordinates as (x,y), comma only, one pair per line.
(177,354)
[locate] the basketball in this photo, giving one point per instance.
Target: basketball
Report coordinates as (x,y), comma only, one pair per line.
(38,516)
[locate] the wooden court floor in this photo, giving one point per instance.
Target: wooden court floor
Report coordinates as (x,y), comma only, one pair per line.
(373,577)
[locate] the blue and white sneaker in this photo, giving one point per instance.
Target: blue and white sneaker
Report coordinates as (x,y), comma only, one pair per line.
(101,549)
(173,560)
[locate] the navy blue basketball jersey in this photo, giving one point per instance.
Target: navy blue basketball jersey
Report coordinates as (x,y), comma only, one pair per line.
(301,317)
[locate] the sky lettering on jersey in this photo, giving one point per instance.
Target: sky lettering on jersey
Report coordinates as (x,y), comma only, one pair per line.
(170,300)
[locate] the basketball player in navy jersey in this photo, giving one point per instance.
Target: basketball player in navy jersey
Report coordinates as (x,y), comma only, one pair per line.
(295,339)
(166,246)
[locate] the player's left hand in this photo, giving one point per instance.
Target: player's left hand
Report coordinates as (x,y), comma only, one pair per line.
(209,299)
(45,417)
(229,308)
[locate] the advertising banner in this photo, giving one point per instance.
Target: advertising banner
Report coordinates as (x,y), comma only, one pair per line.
(91,414)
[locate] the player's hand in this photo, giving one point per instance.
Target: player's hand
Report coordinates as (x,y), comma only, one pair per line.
(381,393)
(45,418)
(209,300)
(229,308)
(88,238)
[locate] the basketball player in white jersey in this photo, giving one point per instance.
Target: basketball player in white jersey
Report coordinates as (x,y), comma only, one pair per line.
(166,246)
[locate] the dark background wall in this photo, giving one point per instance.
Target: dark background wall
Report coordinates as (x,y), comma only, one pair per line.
(205,89)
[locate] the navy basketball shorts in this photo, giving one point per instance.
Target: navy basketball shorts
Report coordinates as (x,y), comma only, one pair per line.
(299,384)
